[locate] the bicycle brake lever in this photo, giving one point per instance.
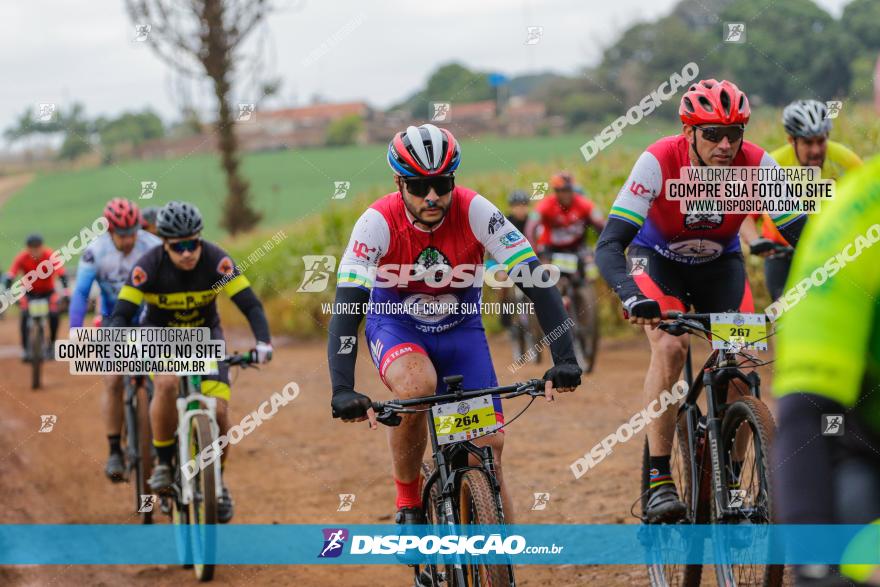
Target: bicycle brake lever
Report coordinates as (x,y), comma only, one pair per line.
(389,418)
(673,328)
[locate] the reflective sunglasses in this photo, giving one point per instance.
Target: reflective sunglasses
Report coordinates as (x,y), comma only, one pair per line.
(714,134)
(421,187)
(190,244)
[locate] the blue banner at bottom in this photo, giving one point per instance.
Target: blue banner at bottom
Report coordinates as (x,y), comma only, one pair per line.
(544,544)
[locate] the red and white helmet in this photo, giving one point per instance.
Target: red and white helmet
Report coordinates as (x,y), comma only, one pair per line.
(424,151)
(712,102)
(123,216)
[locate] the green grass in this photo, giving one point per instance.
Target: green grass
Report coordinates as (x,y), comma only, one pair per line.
(287,185)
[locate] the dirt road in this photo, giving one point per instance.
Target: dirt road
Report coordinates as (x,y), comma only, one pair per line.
(292,468)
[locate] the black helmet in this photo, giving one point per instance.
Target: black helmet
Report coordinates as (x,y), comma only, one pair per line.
(34,240)
(178,219)
(149,214)
(518,197)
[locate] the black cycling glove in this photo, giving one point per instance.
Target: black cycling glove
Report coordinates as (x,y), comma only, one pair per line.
(563,375)
(349,404)
(641,307)
(761,245)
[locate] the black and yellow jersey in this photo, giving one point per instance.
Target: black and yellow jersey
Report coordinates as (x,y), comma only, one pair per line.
(179,298)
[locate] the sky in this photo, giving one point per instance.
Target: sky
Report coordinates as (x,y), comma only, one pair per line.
(342,50)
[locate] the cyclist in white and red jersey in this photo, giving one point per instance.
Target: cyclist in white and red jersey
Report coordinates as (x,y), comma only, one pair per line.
(561,219)
(416,332)
(688,259)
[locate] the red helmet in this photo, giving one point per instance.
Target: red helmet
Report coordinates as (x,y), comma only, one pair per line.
(122,215)
(562,181)
(712,102)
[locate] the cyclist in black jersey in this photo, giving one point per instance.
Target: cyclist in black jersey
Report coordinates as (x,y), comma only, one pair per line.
(179,282)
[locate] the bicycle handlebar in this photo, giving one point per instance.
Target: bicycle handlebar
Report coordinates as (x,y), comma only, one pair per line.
(533,387)
(243,360)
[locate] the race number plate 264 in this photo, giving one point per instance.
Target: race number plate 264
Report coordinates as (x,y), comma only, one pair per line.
(735,332)
(464,420)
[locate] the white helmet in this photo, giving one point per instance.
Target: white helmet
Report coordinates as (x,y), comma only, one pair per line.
(806,118)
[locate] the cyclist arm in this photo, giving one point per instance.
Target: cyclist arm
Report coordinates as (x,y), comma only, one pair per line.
(510,248)
(626,218)
(354,281)
(789,224)
(131,296)
(79,300)
(249,304)
(14,269)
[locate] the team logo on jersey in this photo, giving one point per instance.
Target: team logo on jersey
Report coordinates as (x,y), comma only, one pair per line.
(431,256)
(512,239)
(88,256)
(225,266)
(696,248)
(138,276)
(699,221)
(496,221)
(361,250)
(638,189)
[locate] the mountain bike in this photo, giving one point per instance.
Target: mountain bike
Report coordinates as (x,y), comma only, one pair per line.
(720,458)
(192,502)
(577,284)
(37,323)
(455,492)
(137,445)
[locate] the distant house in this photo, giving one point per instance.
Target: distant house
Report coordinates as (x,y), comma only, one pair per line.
(296,127)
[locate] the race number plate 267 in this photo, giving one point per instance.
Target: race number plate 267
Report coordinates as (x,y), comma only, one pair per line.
(735,332)
(464,420)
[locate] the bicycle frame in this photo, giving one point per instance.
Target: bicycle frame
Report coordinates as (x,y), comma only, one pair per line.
(191,403)
(718,371)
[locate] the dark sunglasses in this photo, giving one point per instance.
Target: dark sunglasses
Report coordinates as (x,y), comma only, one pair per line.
(422,186)
(190,244)
(714,134)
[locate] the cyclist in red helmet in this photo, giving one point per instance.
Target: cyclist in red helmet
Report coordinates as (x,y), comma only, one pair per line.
(107,261)
(678,260)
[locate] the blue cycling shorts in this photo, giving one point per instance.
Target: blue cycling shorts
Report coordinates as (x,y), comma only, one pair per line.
(462,350)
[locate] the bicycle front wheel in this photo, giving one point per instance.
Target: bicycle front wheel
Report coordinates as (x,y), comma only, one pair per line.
(662,573)
(35,345)
(747,430)
(143,447)
(477,506)
(203,508)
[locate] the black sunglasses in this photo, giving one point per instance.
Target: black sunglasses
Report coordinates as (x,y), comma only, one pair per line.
(190,244)
(714,134)
(422,186)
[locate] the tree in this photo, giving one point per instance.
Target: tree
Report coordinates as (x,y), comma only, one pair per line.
(130,128)
(451,82)
(861,19)
(344,130)
(205,38)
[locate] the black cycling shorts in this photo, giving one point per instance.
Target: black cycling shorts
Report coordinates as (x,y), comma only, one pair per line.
(720,285)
